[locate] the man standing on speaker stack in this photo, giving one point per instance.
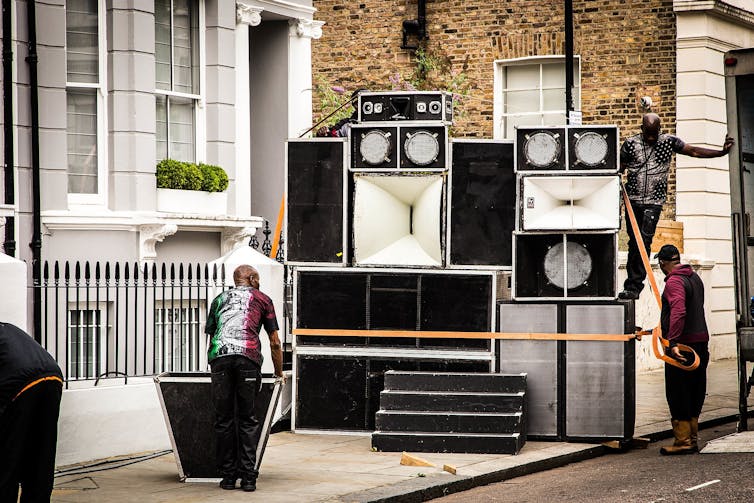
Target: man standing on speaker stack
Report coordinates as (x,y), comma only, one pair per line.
(235,356)
(682,322)
(646,157)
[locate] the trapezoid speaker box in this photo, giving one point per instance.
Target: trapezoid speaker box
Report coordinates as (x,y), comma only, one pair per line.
(398,219)
(570,202)
(565,266)
(482,203)
(315,198)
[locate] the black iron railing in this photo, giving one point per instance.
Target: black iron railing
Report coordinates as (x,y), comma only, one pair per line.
(124,320)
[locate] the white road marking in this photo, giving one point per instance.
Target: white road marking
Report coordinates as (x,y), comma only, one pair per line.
(703,485)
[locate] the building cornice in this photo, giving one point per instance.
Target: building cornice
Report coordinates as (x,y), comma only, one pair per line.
(279,7)
(706,43)
(131,221)
(717,8)
(306,28)
(245,14)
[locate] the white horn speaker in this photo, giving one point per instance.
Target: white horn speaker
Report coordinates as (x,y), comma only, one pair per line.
(570,202)
(397,220)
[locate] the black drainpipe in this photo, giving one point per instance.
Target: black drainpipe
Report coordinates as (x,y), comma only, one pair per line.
(9,243)
(36,240)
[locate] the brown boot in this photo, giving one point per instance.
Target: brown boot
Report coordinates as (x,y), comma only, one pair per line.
(695,432)
(682,444)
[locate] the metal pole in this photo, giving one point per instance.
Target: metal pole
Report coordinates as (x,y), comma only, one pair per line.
(569,58)
(9,243)
(36,241)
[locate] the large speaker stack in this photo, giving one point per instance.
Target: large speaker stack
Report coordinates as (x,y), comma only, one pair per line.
(396,227)
(399,228)
(565,281)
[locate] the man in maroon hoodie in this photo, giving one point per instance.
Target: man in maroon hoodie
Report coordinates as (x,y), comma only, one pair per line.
(682,322)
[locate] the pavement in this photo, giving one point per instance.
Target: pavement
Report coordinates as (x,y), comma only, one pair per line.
(343,468)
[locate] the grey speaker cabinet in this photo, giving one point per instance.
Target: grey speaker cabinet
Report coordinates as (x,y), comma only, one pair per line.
(577,390)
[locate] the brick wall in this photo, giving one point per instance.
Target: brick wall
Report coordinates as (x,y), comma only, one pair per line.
(627,50)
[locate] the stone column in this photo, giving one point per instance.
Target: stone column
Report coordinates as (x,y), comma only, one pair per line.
(245,17)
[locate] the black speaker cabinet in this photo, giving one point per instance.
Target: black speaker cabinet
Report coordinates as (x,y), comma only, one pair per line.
(576,149)
(316,201)
(482,209)
(593,149)
(361,299)
(577,266)
(541,149)
(421,106)
(408,146)
(576,390)
(342,392)
(186,403)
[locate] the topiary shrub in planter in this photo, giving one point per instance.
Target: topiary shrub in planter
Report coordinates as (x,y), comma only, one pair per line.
(214,178)
(185,187)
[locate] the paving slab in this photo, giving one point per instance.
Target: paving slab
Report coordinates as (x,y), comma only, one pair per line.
(343,468)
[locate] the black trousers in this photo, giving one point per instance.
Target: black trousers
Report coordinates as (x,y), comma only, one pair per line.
(235,383)
(28,440)
(685,390)
(647,216)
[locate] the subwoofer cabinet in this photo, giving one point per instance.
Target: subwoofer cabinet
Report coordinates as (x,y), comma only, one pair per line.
(570,265)
(577,390)
(338,379)
(482,203)
(341,392)
(317,209)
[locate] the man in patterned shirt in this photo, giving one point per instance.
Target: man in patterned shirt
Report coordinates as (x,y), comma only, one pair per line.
(647,157)
(233,324)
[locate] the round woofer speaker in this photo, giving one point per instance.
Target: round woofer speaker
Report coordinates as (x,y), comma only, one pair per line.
(375,147)
(590,149)
(542,149)
(422,147)
(579,265)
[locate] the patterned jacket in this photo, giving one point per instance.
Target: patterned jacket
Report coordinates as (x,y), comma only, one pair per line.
(234,321)
(648,167)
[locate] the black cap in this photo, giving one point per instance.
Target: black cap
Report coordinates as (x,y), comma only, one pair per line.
(668,253)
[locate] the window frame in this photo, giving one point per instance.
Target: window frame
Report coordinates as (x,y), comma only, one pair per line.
(77,368)
(187,361)
(499,91)
(100,197)
(200,133)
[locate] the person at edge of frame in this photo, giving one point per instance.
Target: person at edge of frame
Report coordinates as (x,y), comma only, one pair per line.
(646,157)
(235,319)
(682,321)
(31,386)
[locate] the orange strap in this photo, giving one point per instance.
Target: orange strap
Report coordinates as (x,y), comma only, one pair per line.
(278,228)
(427,334)
(658,341)
(34,383)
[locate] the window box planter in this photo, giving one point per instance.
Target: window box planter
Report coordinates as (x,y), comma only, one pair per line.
(192,202)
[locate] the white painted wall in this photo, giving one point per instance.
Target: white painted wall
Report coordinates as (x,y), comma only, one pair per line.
(703,186)
(105,421)
(13,291)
